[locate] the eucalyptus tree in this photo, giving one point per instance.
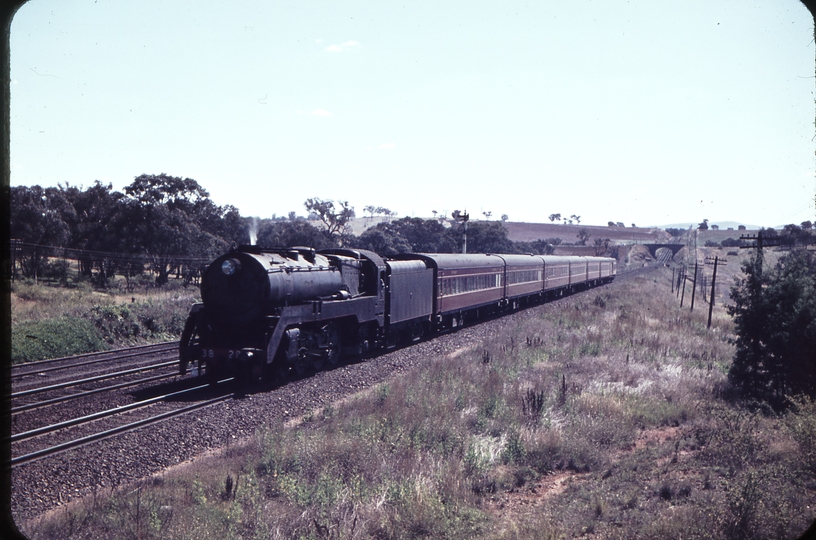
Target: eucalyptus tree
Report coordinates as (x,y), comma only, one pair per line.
(38,217)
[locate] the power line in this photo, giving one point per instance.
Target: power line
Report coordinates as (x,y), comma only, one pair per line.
(18,248)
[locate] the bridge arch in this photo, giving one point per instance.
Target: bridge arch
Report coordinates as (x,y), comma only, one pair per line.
(654,247)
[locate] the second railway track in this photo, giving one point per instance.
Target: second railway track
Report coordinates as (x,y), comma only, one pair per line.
(51,398)
(68,434)
(23,374)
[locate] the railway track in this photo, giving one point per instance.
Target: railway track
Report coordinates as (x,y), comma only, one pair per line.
(87,369)
(70,441)
(84,393)
(637,271)
(47,382)
(68,362)
(98,398)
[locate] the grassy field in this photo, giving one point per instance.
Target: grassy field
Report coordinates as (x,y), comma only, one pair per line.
(50,321)
(606,415)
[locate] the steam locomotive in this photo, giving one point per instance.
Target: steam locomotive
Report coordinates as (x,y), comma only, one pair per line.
(274,312)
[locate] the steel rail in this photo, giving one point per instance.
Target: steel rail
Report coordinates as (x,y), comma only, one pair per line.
(91,379)
(45,403)
(86,363)
(95,353)
(114,431)
(101,414)
(631,272)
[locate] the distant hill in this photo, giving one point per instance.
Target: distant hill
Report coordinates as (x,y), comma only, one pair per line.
(722,224)
(527,232)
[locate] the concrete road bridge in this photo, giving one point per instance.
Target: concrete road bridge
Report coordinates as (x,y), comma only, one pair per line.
(654,248)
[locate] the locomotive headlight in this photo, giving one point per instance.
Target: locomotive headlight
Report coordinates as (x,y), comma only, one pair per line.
(230,266)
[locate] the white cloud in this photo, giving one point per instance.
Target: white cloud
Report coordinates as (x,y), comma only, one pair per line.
(387,146)
(351,44)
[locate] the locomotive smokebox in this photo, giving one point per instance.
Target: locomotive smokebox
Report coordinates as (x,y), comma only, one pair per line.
(248,283)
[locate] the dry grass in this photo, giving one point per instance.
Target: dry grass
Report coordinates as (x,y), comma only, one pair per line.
(601,417)
(36,302)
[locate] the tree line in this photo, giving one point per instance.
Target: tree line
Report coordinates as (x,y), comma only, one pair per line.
(391,237)
(169,225)
(160,220)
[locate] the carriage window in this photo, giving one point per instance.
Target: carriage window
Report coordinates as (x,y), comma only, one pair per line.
(462,284)
(524,276)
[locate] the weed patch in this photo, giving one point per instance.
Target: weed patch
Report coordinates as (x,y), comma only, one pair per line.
(53,338)
(76,318)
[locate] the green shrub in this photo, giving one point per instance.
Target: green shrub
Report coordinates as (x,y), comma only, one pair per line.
(57,269)
(53,338)
(126,323)
(775,315)
(514,451)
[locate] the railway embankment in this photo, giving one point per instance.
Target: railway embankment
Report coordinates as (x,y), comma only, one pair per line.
(602,414)
(55,321)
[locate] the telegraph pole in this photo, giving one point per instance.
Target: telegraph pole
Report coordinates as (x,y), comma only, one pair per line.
(713,282)
(464,242)
(15,247)
(457,216)
(760,243)
(694,285)
(681,276)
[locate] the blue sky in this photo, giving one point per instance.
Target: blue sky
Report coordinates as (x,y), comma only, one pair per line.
(651,112)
